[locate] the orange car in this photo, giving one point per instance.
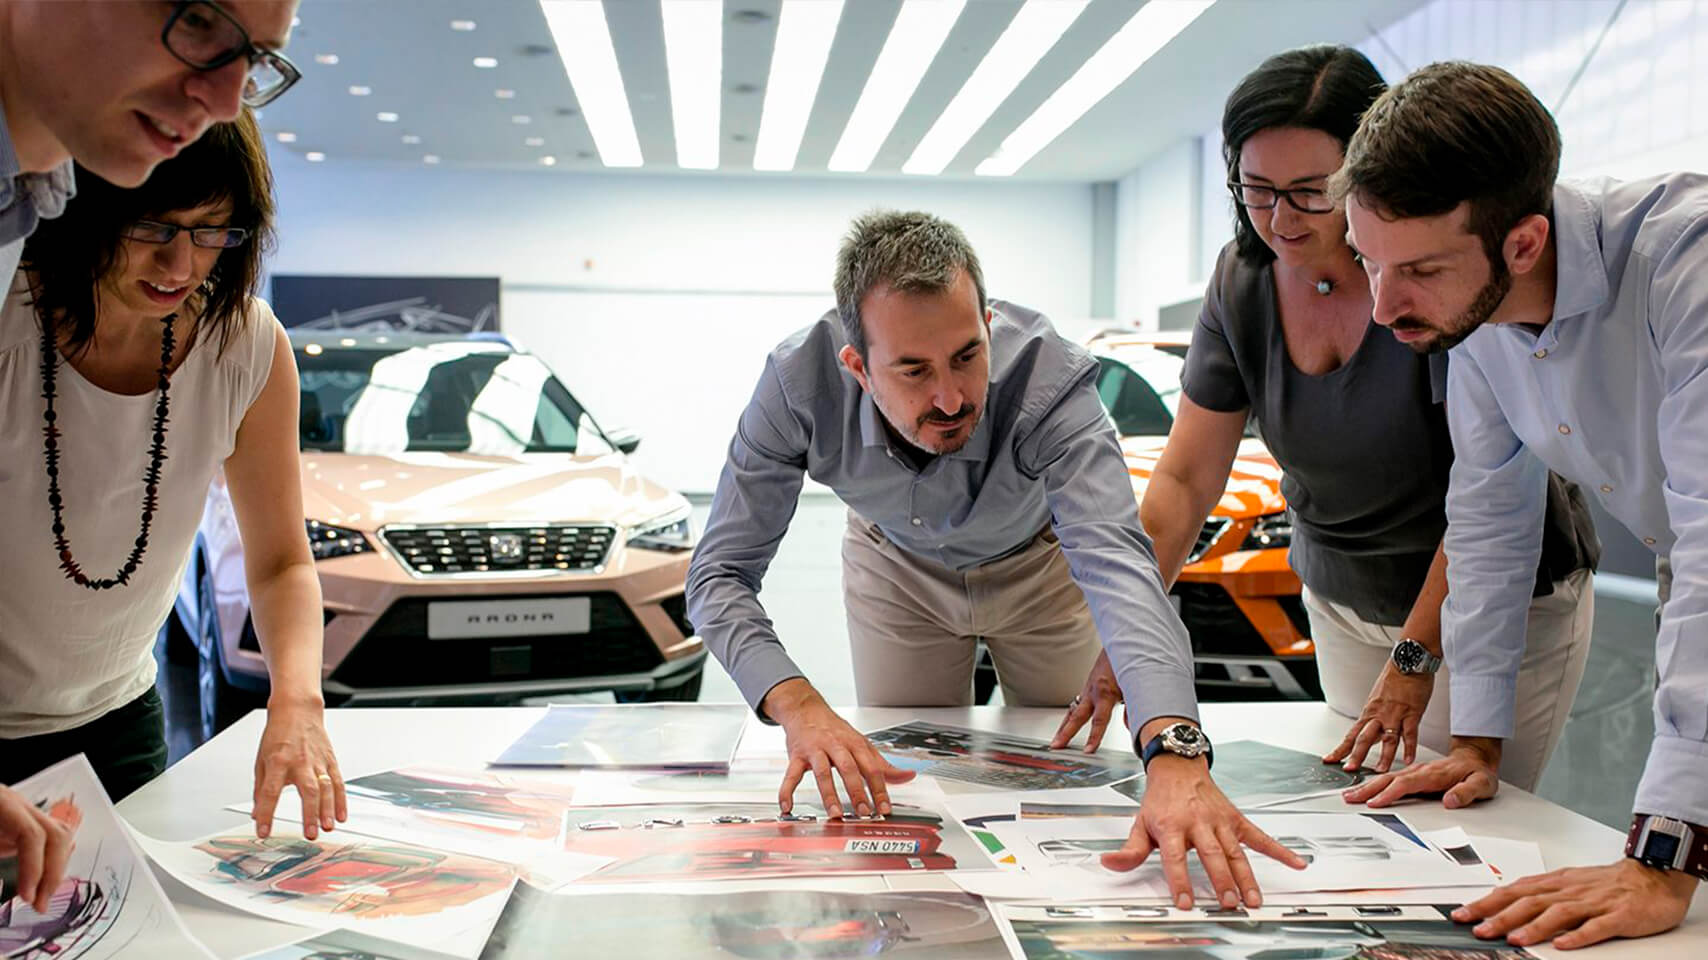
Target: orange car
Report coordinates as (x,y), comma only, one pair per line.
(1237,596)
(479,539)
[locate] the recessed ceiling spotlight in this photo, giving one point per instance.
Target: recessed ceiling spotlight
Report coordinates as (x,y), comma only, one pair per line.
(314,156)
(411,138)
(285,136)
(486,63)
(430,158)
(521,119)
(548,161)
(386,116)
(328,59)
(462,26)
(504,94)
(535,141)
(360,91)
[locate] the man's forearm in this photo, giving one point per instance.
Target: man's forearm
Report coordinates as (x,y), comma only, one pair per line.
(1424,622)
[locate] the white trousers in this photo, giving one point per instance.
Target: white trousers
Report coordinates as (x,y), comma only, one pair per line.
(1351,653)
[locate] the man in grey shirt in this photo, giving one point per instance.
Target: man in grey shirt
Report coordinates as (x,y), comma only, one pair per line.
(119,87)
(987,490)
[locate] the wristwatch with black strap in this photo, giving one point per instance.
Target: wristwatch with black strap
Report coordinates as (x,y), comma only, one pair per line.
(1668,844)
(1180,739)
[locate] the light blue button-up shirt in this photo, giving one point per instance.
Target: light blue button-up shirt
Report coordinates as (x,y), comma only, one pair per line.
(1613,393)
(1044,451)
(25,200)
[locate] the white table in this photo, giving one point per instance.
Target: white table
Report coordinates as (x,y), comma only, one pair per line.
(188,801)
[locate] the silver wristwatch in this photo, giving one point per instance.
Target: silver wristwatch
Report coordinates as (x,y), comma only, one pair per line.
(1411,659)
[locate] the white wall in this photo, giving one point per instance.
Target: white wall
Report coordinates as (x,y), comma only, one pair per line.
(1157,225)
(656,297)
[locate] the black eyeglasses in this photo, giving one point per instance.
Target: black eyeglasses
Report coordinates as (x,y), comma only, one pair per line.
(1258,197)
(218,238)
(205,37)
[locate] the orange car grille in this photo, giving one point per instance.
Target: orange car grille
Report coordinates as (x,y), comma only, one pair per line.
(450,550)
(1207,537)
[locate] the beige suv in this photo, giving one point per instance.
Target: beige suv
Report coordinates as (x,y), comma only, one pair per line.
(479,540)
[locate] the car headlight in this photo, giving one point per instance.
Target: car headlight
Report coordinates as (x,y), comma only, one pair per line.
(670,532)
(1270,532)
(328,541)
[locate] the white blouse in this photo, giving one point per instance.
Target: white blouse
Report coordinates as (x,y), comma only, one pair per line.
(69,654)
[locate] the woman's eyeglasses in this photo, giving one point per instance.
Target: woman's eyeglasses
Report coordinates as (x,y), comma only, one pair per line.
(217,238)
(1254,196)
(205,37)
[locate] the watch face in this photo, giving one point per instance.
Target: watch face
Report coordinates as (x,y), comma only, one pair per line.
(1184,739)
(1661,848)
(1408,656)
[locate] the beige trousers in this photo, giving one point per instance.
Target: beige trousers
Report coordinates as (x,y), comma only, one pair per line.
(914,625)
(1352,652)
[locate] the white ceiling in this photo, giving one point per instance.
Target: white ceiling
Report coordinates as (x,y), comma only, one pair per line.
(422,70)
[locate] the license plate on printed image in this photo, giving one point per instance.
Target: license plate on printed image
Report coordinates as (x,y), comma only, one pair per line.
(509,618)
(882,846)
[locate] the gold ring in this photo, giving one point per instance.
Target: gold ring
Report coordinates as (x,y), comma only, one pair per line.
(324,778)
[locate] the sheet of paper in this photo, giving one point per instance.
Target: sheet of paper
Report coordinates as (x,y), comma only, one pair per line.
(997,760)
(396,891)
(484,813)
(1256,774)
(616,788)
(652,736)
(108,905)
(342,944)
(795,922)
(1511,859)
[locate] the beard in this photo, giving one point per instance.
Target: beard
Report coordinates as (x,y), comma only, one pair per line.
(1453,333)
(913,430)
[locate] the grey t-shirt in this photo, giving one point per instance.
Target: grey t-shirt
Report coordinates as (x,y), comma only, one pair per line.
(1364,449)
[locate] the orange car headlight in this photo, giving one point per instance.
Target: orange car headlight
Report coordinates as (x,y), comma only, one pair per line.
(1271,531)
(328,541)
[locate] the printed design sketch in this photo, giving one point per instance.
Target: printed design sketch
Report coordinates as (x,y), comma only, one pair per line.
(1070,931)
(658,736)
(347,945)
(713,841)
(997,760)
(109,904)
(1252,773)
(788,924)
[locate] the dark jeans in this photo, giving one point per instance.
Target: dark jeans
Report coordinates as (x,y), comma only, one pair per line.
(126,746)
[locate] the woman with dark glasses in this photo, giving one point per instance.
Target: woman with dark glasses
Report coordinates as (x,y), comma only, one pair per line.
(135,365)
(1354,418)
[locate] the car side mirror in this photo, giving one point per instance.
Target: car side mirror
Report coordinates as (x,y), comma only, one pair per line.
(624,439)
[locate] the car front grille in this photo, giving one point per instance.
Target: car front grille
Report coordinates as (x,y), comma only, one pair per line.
(1207,537)
(396,651)
(497,551)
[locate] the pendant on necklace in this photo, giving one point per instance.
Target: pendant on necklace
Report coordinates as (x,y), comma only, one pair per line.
(1325,287)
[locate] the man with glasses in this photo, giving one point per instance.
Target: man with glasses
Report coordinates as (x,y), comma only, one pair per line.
(119,87)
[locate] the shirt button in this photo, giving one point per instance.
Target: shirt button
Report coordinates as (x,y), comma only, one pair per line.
(1541,354)
(1649,541)
(916,521)
(1565,429)
(1607,488)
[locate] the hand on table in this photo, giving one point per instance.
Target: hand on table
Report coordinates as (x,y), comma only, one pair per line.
(1470,772)
(1096,702)
(1580,906)
(820,741)
(1182,809)
(295,750)
(1391,716)
(41,844)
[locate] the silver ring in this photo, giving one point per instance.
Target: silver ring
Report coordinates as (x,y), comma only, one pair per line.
(1076,701)
(1388,735)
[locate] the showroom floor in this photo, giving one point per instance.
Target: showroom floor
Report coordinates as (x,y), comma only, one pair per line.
(1594,771)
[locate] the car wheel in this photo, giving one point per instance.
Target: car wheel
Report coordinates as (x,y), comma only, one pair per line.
(220,704)
(686,692)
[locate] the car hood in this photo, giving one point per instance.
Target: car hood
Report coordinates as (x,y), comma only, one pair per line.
(1254,484)
(367,492)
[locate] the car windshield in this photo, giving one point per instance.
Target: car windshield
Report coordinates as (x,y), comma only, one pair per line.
(1141,390)
(452,397)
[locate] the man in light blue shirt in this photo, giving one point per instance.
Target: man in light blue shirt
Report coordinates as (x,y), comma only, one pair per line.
(968,439)
(1577,315)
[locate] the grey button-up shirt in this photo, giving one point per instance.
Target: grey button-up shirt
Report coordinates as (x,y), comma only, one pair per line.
(26,199)
(1612,394)
(1044,451)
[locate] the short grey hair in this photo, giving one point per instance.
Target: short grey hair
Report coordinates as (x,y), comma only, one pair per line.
(913,252)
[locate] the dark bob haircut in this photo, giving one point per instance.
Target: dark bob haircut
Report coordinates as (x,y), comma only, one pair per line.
(1326,87)
(69,256)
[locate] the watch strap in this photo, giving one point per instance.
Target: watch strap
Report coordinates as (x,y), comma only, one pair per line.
(1695,858)
(1155,747)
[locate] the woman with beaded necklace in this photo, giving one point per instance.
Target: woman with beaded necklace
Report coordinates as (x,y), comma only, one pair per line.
(135,364)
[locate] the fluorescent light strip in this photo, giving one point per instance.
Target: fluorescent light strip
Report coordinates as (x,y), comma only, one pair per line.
(1150,29)
(583,40)
(1031,34)
(805,31)
(694,55)
(918,33)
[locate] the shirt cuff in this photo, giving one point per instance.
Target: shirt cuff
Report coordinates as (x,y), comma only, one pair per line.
(761,669)
(1675,780)
(1483,706)
(1159,695)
